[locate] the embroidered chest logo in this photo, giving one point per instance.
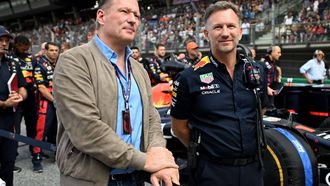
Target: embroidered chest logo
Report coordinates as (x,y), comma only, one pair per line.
(210,89)
(207,78)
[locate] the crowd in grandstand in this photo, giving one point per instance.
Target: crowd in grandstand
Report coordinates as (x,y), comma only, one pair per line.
(173,25)
(311,23)
(169,26)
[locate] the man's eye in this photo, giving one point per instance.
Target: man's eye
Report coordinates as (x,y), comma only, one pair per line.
(137,16)
(124,11)
(217,27)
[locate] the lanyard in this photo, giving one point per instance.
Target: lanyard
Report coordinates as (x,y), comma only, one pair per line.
(126,93)
(127,128)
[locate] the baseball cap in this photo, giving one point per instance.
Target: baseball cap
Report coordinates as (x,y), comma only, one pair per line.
(5,32)
(191,45)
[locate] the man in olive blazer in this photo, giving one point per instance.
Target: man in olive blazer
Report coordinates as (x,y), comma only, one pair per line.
(86,97)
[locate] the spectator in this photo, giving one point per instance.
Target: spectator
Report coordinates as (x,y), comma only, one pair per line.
(91,30)
(260,26)
(246,31)
(65,46)
(314,70)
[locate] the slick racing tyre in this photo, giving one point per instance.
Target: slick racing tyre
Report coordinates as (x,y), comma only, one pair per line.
(288,160)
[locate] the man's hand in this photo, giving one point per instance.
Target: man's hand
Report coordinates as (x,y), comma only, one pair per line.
(310,81)
(163,76)
(13,99)
(167,176)
(159,158)
(271,92)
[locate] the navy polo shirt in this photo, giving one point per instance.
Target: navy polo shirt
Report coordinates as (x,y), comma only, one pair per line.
(7,114)
(224,110)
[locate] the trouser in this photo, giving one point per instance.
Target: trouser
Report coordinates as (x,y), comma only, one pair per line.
(46,125)
(317,82)
(209,173)
(30,113)
(270,103)
(136,178)
(8,149)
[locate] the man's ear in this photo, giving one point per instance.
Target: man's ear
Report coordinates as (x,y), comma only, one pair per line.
(100,16)
(206,34)
(241,33)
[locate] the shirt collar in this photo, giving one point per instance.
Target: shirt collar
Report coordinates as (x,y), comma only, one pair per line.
(109,53)
(218,63)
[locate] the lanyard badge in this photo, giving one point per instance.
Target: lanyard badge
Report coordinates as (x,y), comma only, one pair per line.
(126,122)
(127,127)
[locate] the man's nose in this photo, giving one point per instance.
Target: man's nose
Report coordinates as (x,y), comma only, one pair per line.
(132,18)
(225,31)
(4,42)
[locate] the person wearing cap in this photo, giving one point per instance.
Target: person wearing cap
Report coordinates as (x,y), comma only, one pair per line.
(8,103)
(193,55)
(314,70)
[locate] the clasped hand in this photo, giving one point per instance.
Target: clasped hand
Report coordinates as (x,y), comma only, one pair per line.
(14,99)
(160,162)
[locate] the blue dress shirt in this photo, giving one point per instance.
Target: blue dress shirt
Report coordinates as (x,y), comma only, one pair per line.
(135,102)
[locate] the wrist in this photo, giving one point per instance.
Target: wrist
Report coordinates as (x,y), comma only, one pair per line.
(3,104)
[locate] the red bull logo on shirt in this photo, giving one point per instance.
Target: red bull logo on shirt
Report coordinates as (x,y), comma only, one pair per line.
(203,62)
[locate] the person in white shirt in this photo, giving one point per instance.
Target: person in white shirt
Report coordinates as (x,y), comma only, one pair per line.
(245,31)
(314,70)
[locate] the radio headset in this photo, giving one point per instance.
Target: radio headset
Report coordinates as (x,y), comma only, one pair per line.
(251,73)
(252,80)
(269,52)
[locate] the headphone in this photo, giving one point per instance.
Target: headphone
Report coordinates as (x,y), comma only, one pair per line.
(251,73)
(270,50)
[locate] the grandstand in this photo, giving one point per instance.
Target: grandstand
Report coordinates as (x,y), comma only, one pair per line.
(298,26)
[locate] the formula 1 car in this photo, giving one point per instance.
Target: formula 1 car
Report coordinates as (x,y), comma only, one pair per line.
(295,154)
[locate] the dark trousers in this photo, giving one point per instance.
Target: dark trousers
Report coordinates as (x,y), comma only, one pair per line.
(137,178)
(29,111)
(8,150)
(208,173)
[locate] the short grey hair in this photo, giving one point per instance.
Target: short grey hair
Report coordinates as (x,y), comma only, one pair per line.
(102,5)
(222,5)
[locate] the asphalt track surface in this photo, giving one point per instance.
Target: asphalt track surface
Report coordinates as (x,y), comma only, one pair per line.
(49,177)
